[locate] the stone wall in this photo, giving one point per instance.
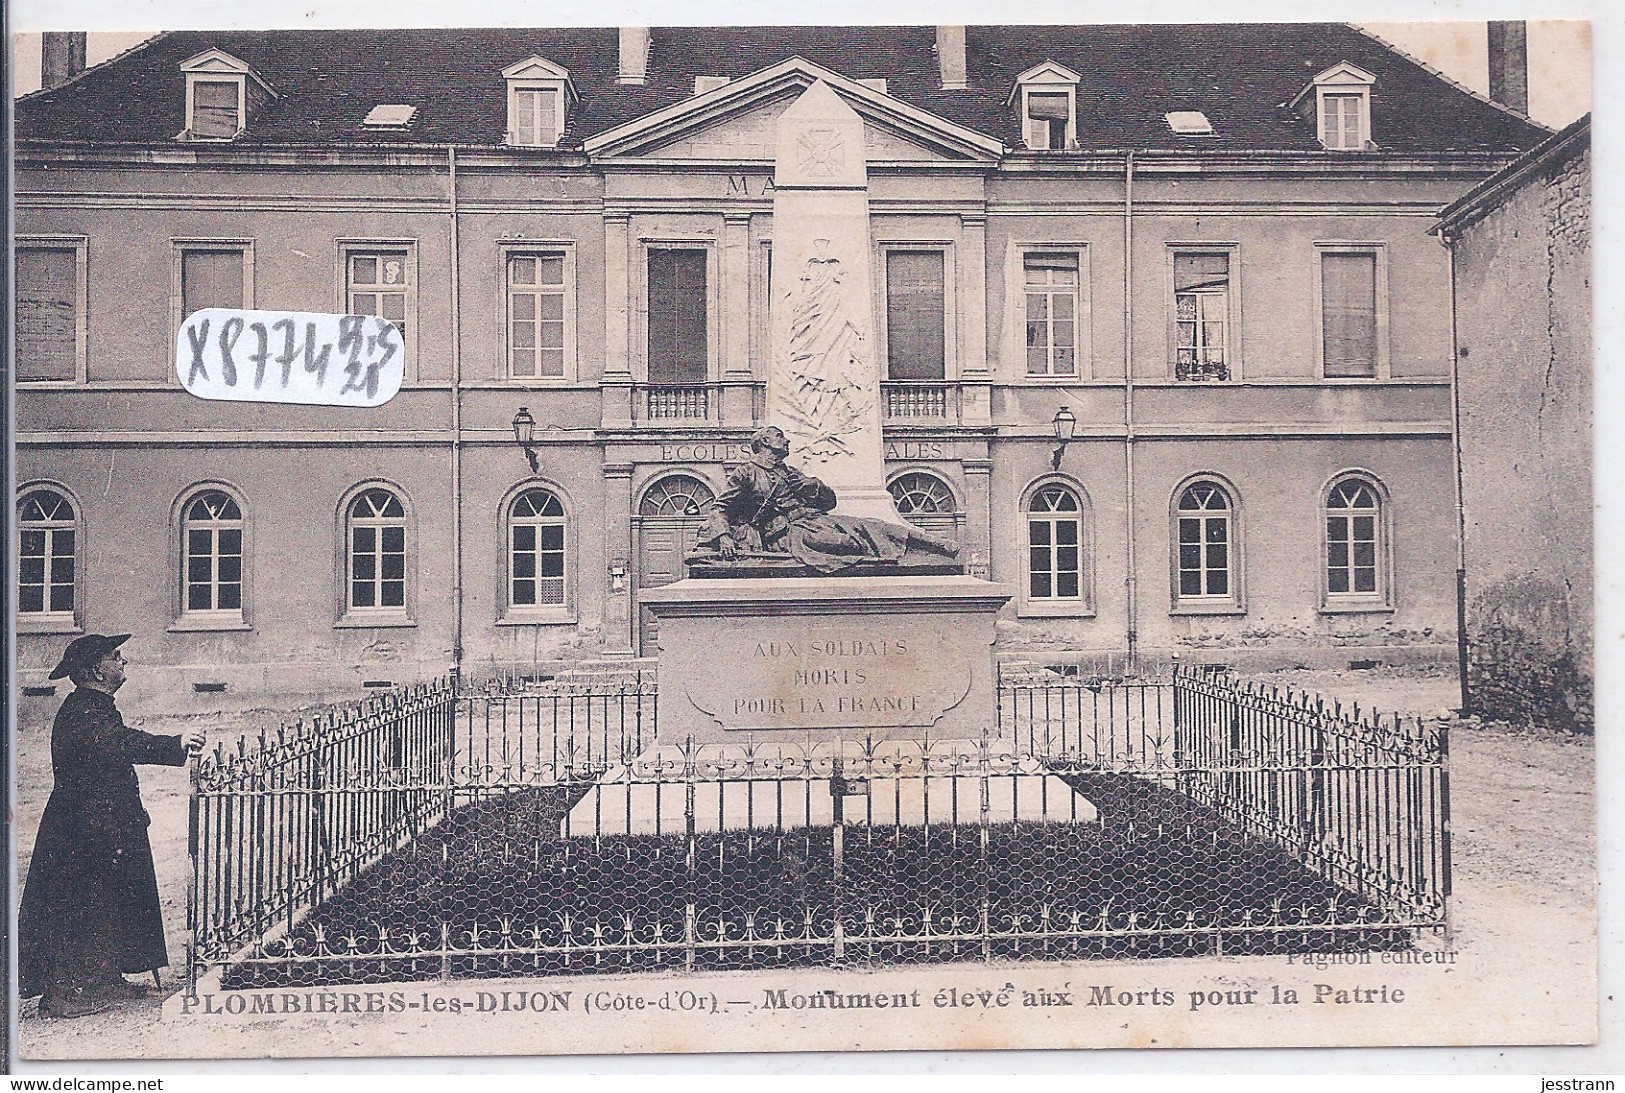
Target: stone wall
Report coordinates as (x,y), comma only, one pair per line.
(1524,339)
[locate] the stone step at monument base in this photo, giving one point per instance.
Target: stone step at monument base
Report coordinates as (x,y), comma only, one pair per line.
(783,787)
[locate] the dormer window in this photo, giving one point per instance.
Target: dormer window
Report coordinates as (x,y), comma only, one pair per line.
(538,98)
(1341,100)
(222,93)
(1048,99)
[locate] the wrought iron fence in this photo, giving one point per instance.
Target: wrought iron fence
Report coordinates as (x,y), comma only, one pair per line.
(290,817)
(1098,817)
(513,732)
(1362,798)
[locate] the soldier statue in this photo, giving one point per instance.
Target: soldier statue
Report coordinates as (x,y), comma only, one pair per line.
(771,511)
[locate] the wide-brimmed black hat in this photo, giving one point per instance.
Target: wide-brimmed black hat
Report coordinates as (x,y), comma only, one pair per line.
(86,652)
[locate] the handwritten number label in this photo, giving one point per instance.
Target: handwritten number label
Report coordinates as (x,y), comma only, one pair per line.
(277,356)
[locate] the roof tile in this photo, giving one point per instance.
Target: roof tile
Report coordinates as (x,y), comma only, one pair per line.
(1242,76)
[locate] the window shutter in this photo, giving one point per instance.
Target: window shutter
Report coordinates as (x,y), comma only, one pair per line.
(915,319)
(214,109)
(524,116)
(211,278)
(1201,272)
(1348,300)
(692,365)
(678,350)
(1049,106)
(547,128)
(47,324)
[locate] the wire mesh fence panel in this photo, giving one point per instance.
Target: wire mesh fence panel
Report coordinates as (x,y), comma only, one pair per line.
(556,832)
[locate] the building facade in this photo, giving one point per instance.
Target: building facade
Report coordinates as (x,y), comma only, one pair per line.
(1521,242)
(1167,341)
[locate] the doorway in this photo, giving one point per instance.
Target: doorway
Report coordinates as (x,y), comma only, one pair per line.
(669,522)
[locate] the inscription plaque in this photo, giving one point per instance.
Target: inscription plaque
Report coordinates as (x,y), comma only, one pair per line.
(814,679)
(831,657)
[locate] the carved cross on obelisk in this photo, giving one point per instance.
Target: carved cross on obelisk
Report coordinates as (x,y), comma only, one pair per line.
(823,379)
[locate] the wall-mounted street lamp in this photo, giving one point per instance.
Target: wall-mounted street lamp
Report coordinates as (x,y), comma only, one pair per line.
(524,431)
(1066,426)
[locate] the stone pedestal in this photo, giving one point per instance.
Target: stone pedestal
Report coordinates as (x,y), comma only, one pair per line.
(826,658)
(767,787)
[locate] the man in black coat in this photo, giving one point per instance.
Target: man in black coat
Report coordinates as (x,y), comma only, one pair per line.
(90,912)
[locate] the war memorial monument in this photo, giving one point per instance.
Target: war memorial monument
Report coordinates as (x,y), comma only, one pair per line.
(811,605)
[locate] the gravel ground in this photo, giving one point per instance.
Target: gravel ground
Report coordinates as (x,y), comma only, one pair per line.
(1524,820)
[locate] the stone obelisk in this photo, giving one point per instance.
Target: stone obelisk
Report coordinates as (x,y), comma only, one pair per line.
(823,380)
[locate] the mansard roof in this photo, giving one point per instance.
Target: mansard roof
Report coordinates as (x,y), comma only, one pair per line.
(1242,76)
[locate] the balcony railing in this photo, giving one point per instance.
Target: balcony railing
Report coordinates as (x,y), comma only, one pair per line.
(679,402)
(918,401)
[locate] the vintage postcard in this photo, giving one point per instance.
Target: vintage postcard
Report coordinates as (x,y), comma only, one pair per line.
(629,539)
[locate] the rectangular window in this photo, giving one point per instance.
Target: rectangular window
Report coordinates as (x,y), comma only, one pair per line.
(537,307)
(1351,554)
(212,277)
(916,319)
(538,565)
(216,110)
(45,571)
(1053,565)
(378,566)
(678,346)
(1201,316)
(1052,313)
(535,116)
(1047,115)
(379,283)
(1348,315)
(1204,556)
(1340,122)
(48,313)
(214,569)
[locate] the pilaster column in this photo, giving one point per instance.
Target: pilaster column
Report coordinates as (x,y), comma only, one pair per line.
(618,546)
(976,549)
(617,379)
(737,397)
(975,402)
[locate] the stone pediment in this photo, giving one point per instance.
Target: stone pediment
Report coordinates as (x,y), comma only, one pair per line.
(738,123)
(752,136)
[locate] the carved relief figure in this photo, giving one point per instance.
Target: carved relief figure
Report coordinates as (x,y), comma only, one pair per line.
(827,398)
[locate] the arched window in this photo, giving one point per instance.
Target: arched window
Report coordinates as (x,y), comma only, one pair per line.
(926,501)
(676,495)
(536,554)
(1356,573)
(1205,563)
(212,531)
(1055,546)
(46,560)
(376,524)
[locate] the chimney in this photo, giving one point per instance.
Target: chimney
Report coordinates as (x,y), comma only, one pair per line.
(1509,64)
(634,55)
(951,57)
(62,57)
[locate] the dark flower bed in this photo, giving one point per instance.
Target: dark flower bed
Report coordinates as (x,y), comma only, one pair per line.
(1158,876)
